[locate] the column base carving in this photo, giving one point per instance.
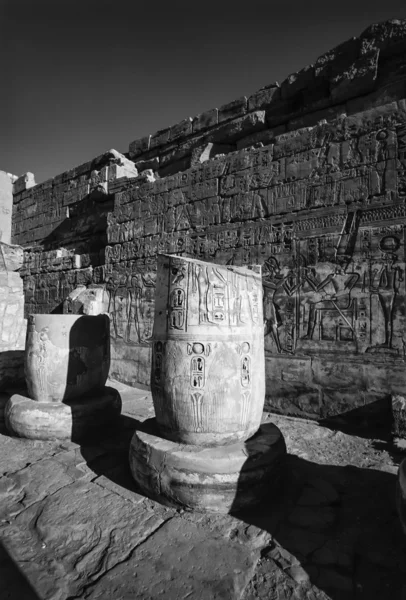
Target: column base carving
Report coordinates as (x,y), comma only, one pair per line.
(75,420)
(222,479)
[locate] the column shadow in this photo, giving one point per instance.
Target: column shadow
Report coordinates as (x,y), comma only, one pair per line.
(13,582)
(333,527)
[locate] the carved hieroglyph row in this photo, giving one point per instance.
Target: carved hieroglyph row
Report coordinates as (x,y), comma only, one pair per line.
(208,360)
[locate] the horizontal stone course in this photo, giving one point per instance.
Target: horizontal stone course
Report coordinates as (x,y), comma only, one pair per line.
(306,178)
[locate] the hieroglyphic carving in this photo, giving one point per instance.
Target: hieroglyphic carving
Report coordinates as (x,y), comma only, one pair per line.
(355,297)
(130,304)
(205,358)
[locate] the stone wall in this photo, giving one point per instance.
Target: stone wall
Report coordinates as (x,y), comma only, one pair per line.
(307,179)
(6,205)
(70,209)
(12,322)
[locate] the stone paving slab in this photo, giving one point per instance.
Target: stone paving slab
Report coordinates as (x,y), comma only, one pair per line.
(73,525)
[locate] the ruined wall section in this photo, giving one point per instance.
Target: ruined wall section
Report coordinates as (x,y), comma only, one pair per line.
(308,179)
(357,75)
(69,210)
(322,209)
(6,205)
(12,322)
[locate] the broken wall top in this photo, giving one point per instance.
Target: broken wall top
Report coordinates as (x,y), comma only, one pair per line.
(11,257)
(373,62)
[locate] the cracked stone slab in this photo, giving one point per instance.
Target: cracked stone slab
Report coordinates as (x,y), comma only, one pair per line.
(180,561)
(271,582)
(31,484)
(17,453)
(72,537)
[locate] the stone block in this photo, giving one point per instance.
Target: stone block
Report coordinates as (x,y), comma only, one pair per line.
(6,207)
(205,120)
(399,415)
(75,420)
(209,151)
(330,372)
(221,480)
(260,138)
(296,82)
(292,398)
(312,119)
(232,110)
(174,167)
(24,182)
(11,259)
(357,80)
(336,401)
(182,129)
(264,97)
(338,59)
(138,147)
(143,165)
(387,35)
(385,95)
(230,132)
(160,138)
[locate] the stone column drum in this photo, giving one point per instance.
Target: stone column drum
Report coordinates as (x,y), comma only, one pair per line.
(67,360)
(207,379)
(206,449)
(66,356)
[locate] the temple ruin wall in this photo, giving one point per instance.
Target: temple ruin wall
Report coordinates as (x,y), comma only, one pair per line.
(306,178)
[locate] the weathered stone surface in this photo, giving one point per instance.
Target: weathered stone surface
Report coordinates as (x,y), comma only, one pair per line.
(140,146)
(233,109)
(67,356)
(91,535)
(208,361)
(181,129)
(73,419)
(205,120)
(399,415)
(61,546)
(320,207)
(24,182)
(221,479)
(263,97)
(12,322)
(197,568)
(6,206)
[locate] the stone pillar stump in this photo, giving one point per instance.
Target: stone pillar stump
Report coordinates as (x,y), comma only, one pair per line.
(205,449)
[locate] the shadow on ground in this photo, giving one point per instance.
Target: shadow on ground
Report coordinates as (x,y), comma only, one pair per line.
(107,455)
(334,527)
(13,583)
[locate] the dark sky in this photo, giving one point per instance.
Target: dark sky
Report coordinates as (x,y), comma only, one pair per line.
(83,76)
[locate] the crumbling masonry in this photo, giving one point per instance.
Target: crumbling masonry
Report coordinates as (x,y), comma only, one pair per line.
(306,178)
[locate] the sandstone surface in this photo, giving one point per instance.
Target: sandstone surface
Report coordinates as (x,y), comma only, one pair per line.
(74,525)
(306,178)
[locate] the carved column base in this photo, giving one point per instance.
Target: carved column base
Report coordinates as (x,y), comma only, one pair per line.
(74,420)
(401,494)
(222,479)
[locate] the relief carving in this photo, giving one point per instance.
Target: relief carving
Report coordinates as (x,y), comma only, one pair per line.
(204,382)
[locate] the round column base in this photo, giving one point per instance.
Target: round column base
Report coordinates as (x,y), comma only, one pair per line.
(221,479)
(73,420)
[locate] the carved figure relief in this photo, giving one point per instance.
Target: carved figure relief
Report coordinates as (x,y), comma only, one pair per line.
(130,306)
